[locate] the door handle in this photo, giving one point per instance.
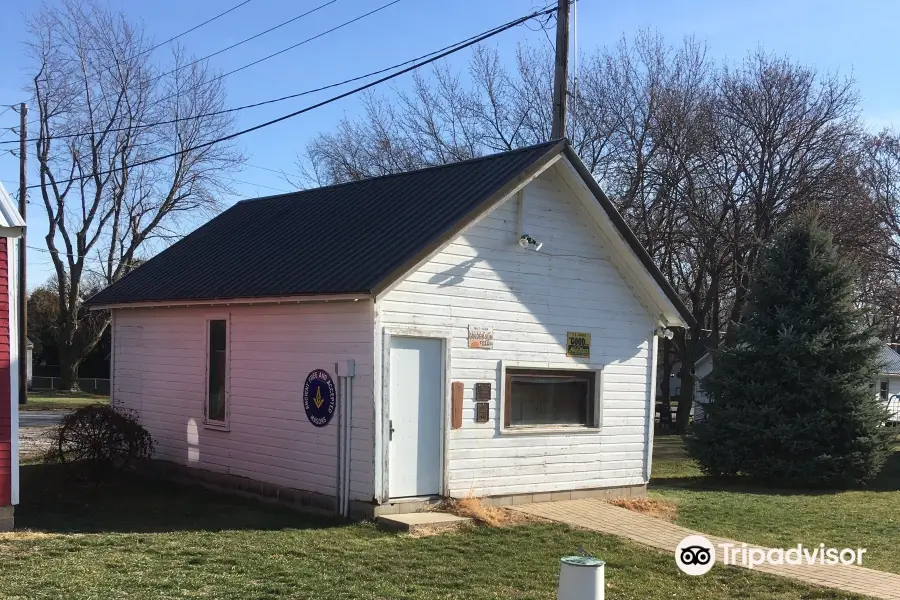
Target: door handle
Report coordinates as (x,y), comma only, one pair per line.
(391,432)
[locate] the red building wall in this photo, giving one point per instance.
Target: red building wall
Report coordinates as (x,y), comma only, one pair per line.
(5,406)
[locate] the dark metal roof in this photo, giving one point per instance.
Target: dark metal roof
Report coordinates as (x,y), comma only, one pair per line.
(345,239)
(340,239)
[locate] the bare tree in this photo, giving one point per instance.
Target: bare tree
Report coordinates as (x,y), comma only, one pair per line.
(100,98)
(705,162)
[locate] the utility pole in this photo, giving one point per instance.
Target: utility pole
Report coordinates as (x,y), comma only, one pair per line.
(561,71)
(23,293)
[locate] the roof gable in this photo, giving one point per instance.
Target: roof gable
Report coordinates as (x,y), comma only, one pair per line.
(361,237)
(333,240)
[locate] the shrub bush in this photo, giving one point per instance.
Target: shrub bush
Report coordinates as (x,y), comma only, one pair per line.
(792,401)
(105,438)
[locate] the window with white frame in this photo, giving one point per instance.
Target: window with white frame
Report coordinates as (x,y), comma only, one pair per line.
(549,397)
(883,390)
(217,371)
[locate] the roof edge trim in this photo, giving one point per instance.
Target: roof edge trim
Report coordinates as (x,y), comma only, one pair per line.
(235,301)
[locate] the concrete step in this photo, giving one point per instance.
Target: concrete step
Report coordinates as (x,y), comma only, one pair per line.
(417,521)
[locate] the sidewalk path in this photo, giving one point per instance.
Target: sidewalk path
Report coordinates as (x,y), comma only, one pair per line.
(41,418)
(36,430)
(600,516)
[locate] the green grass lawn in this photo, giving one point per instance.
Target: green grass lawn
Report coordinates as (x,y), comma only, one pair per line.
(53,400)
(867,518)
(139,539)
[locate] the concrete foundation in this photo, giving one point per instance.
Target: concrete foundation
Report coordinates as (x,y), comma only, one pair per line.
(7,518)
(322,503)
(414,505)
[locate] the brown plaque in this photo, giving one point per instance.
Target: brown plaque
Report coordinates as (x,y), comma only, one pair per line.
(482,392)
(456,401)
(481,412)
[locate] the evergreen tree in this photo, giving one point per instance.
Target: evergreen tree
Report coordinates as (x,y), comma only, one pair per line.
(792,400)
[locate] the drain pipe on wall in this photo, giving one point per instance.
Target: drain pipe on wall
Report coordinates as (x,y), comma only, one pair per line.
(346,370)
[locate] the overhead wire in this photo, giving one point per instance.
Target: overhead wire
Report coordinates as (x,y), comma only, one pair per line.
(291,115)
(272,100)
(175,37)
(245,40)
(278,53)
(232,72)
(196,27)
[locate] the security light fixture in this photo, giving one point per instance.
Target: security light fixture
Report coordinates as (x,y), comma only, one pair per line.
(526,241)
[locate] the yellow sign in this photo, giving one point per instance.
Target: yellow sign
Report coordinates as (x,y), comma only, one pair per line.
(318,400)
(481,337)
(578,344)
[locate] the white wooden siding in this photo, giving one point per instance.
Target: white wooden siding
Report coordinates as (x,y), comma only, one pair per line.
(894,398)
(532,299)
(160,372)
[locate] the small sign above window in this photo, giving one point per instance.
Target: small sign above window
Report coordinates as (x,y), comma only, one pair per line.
(481,337)
(578,344)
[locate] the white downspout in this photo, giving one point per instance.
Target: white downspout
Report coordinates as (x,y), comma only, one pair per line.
(345,372)
(339,487)
(349,373)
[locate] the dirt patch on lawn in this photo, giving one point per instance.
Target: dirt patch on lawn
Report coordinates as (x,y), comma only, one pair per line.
(659,509)
(35,442)
(484,514)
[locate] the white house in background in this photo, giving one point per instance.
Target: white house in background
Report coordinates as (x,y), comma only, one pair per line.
(487,327)
(887,385)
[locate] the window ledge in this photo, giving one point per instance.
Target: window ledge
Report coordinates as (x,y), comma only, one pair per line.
(550,430)
(218,426)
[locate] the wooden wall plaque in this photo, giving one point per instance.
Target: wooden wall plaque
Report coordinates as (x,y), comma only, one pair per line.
(481,412)
(456,402)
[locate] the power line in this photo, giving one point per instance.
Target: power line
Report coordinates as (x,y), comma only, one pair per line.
(173,38)
(69,254)
(236,134)
(222,76)
(244,41)
(277,171)
(264,102)
(283,50)
(196,27)
(268,187)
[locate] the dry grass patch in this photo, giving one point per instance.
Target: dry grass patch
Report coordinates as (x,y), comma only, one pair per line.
(659,509)
(26,536)
(492,516)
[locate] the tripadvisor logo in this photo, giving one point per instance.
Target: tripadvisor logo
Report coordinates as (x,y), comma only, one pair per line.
(696,555)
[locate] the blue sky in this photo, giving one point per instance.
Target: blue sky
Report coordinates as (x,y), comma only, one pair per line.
(852,38)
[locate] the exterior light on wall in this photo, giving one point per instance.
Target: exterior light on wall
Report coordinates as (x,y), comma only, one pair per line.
(526,241)
(665,332)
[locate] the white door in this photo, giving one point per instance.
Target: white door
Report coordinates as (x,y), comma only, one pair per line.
(416,380)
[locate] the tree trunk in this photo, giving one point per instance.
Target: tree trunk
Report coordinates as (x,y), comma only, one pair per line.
(69,353)
(665,412)
(68,369)
(686,398)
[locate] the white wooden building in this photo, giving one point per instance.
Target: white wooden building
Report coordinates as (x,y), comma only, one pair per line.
(484,328)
